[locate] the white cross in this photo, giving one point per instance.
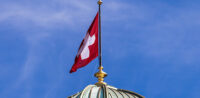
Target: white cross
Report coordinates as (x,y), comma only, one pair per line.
(88,41)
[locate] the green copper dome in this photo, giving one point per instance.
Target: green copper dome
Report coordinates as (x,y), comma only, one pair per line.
(105,91)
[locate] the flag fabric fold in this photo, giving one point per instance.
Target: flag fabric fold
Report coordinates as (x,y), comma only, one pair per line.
(88,49)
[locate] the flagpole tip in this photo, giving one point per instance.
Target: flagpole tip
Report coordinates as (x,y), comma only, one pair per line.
(100,2)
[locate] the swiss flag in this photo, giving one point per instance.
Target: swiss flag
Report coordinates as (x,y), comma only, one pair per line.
(88,49)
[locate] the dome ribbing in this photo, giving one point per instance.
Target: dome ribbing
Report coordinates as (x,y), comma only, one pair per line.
(105,91)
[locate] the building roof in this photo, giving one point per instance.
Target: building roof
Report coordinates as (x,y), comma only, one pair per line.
(105,91)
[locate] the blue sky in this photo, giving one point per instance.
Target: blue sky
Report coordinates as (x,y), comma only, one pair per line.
(149,47)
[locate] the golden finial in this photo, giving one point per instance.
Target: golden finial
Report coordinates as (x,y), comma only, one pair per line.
(100,2)
(100,75)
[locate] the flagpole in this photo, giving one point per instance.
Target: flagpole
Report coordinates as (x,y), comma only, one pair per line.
(100,54)
(100,74)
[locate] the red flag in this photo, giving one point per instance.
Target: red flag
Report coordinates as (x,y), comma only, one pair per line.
(88,49)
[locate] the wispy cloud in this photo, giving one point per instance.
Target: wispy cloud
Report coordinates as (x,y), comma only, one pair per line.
(62,12)
(66,12)
(31,64)
(129,29)
(158,33)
